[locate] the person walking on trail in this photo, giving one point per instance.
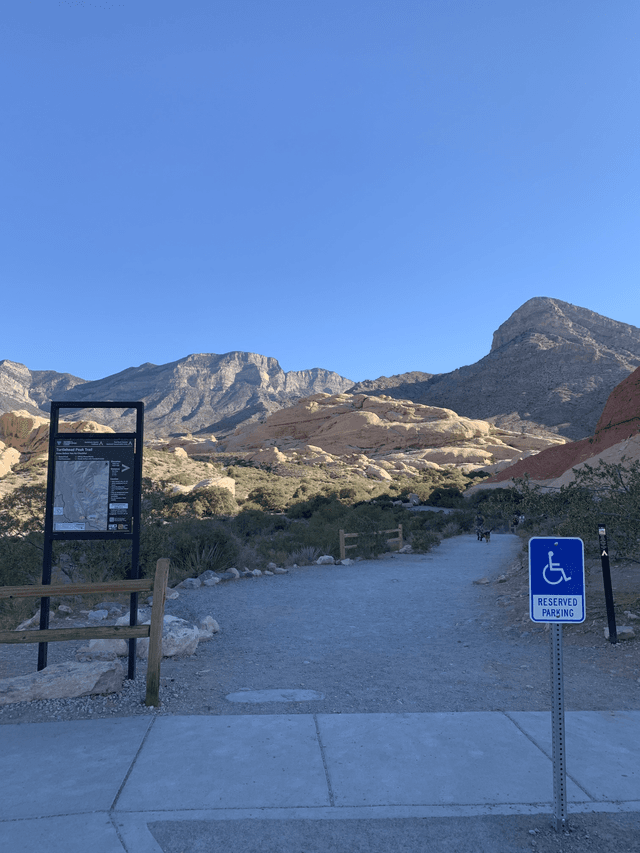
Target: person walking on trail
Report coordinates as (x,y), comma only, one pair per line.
(479,525)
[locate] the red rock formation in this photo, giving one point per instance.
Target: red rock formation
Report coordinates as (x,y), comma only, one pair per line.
(619,420)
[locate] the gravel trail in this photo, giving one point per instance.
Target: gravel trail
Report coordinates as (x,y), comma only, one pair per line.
(406,633)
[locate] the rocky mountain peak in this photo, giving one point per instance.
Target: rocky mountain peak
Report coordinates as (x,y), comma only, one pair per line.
(563,322)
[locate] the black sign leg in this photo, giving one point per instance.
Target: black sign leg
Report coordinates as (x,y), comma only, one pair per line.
(606,580)
(133,620)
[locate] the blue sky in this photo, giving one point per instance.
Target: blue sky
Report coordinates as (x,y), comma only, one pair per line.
(369,187)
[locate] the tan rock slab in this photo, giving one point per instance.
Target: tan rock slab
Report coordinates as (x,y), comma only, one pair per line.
(63,681)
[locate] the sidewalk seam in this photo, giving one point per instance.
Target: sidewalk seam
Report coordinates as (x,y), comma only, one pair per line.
(324,762)
(550,757)
(132,765)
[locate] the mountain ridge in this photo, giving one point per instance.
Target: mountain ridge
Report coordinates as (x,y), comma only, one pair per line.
(551,366)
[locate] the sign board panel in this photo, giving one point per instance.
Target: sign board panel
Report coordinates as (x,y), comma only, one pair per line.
(556,579)
(93,484)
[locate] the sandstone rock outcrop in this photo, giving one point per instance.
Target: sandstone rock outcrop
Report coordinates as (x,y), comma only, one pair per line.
(551,364)
(379,436)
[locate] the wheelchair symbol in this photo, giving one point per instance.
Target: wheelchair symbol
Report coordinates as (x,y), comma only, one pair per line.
(554,567)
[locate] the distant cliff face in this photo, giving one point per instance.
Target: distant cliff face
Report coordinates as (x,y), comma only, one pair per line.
(207,392)
(551,364)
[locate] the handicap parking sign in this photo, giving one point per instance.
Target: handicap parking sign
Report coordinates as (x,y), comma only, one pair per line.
(556,579)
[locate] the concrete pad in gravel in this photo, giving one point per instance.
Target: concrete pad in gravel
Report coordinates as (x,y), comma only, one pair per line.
(441,758)
(603,749)
(68,834)
(228,762)
(66,768)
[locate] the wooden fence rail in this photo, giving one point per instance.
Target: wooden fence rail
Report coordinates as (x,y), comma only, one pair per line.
(157,585)
(344,547)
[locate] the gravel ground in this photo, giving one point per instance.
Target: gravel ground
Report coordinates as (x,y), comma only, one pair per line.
(408,633)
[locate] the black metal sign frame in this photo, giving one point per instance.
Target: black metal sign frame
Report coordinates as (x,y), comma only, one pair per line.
(93,493)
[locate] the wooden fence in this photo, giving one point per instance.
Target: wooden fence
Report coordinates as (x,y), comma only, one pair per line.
(344,547)
(157,585)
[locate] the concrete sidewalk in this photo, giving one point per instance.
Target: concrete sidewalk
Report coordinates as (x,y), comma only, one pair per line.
(96,785)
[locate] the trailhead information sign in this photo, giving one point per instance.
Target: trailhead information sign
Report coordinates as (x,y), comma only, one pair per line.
(556,579)
(93,484)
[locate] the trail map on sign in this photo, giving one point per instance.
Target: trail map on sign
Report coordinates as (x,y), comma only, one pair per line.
(93,485)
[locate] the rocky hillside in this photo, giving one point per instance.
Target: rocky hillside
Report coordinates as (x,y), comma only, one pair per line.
(199,393)
(551,365)
(380,437)
(616,436)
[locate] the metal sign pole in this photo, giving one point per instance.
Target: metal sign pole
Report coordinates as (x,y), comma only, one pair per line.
(557,729)
(606,580)
(556,596)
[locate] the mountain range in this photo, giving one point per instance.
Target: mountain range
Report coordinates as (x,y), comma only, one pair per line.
(551,368)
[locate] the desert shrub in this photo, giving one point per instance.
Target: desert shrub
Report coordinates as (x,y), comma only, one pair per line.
(22,510)
(20,564)
(447,496)
(274,496)
(424,540)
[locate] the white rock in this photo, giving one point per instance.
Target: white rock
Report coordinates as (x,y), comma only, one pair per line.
(179,639)
(234,572)
(271,566)
(267,572)
(97,615)
(172,594)
(211,582)
(207,627)
(117,648)
(64,608)
(64,680)
(256,573)
(189,583)
(29,623)
(347,562)
(278,571)
(406,549)
(124,620)
(623,632)
(326,560)
(630,615)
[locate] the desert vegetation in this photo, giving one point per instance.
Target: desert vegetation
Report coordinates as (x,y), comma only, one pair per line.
(289,516)
(604,494)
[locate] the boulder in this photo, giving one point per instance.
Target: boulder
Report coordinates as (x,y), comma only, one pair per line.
(179,639)
(624,632)
(97,615)
(64,680)
(103,650)
(326,560)
(207,627)
(189,583)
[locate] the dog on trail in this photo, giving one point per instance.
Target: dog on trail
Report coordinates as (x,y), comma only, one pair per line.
(484,534)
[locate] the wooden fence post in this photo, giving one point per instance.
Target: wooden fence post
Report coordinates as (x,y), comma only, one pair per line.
(343,552)
(155,633)
(399,536)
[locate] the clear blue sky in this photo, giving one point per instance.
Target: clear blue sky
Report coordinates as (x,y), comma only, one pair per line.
(369,187)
